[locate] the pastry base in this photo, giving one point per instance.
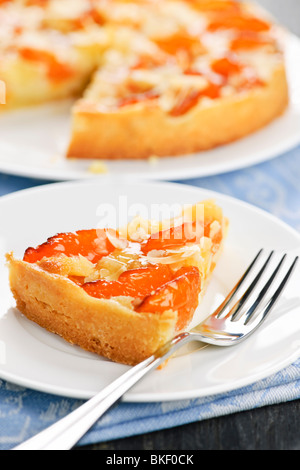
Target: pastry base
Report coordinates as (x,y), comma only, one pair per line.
(139,132)
(104,327)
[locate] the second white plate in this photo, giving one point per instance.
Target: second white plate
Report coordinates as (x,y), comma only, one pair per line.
(34,358)
(33,143)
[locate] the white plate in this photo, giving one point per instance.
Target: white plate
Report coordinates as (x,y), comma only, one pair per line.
(34,358)
(33,142)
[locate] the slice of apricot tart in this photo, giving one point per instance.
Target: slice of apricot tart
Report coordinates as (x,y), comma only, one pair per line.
(121,293)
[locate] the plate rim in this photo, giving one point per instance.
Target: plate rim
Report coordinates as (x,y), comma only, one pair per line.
(130,180)
(143,397)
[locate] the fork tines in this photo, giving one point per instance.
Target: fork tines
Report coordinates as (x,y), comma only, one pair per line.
(268,278)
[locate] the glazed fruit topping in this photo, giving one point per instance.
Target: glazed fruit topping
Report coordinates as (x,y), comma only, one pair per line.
(92,244)
(180,294)
(190,99)
(226,66)
(246,40)
(179,43)
(136,283)
(175,237)
(56,71)
(216,5)
(239,22)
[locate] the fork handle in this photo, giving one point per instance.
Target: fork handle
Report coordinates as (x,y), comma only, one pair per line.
(64,434)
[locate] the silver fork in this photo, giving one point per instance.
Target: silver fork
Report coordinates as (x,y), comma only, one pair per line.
(226,326)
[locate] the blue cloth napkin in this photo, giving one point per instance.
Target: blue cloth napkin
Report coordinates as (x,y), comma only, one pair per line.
(272,186)
(24,412)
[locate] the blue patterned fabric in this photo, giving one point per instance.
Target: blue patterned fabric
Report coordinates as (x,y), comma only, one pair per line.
(273,186)
(24,412)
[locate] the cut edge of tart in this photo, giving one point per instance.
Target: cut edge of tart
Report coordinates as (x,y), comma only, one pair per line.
(121,298)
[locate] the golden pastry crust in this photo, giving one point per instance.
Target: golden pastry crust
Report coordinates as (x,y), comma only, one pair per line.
(104,327)
(144,130)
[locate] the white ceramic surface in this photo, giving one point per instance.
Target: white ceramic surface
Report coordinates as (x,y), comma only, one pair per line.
(34,358)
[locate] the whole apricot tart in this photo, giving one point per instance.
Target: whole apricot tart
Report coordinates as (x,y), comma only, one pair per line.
(149,78)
